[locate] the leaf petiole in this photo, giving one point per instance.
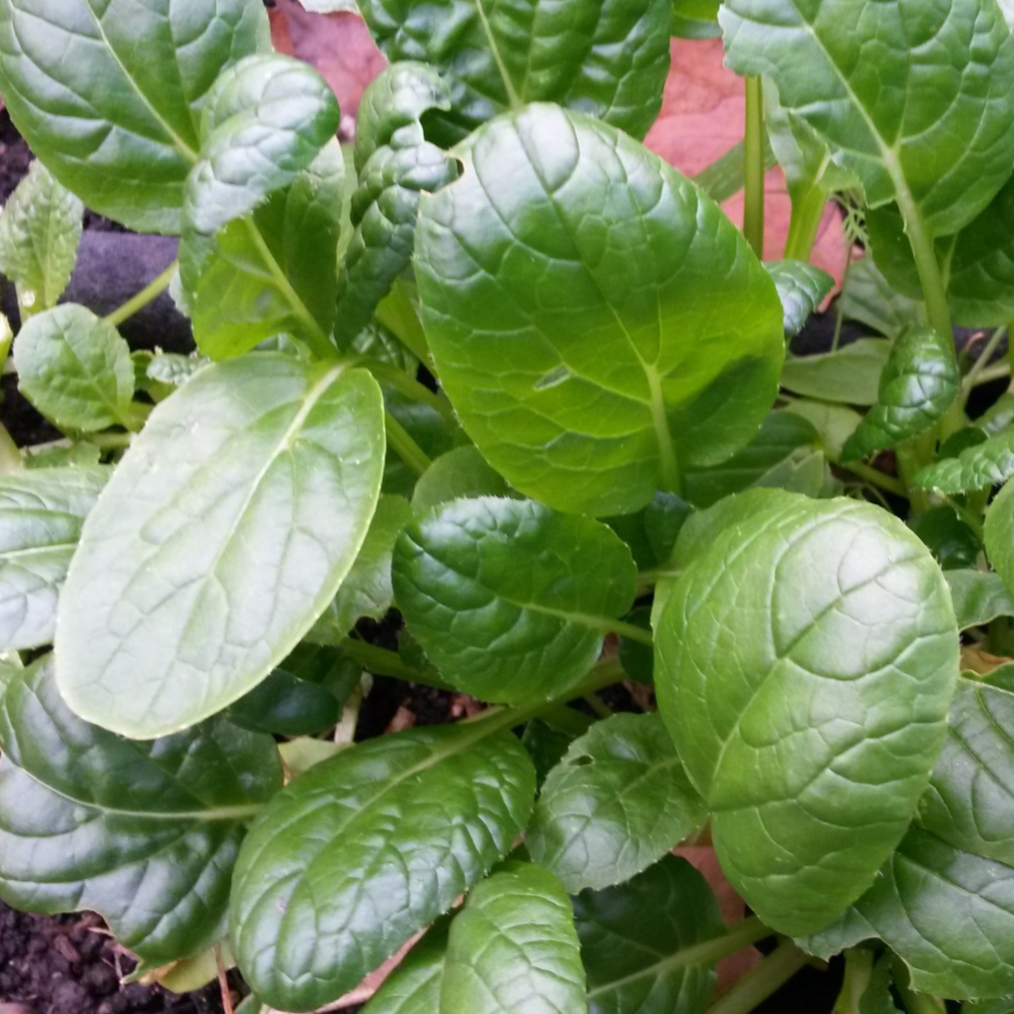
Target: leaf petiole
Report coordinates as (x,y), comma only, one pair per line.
(769,976)
(753,209)
(404,446)
(140,300)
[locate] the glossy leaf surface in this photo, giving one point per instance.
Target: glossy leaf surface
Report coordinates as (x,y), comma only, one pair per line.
(41,513)
(919,383)
(462,472)
(40,229)
(632,936)
(978,467)
(75,369)
(413,987)
(593,316)
(144,833)
(509,599)
(608,58)
(226,529)
(801,288)
(938,140)
(805,662)
(108,94)
(364,850)
(617,802)
(513,948)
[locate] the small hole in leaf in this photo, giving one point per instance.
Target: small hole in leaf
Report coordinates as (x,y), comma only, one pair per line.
(553,378)
(582,761)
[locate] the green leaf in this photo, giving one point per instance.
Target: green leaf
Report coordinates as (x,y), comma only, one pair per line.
(509,599)
(931,134)
(801,288)
(804,664)
(461,472)
(593,316)
(869,298)
(618,801)
(978,597)
(366,591)
(952,542)
(944,902)
(633,937)
(413,987)
(546,743)
(784,454)
(365,849)
(40,229)
(608,58)
(264,121)
(919,383)
(513,949)
(108,94)
(75,369)
(395,165)
(999,535)
(144,833)
(977,467)
(834,423)
(41,512)
(287,706)
(273,272)
(637,658)
(695,19)
(226,529)
(849,376)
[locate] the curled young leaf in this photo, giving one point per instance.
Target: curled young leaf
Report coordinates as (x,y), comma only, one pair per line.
(805,662)
(919,383)
(977,467)
(801,288)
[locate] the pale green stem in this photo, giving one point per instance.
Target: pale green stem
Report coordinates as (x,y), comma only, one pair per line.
(769,976)
(807,214)
(970,381)
(909,462)
(10,456)
(631,631)
(404,446)
(598,706)
(876,478)
(753,208)
(858,969)
(397,313)
(384,662)
(990,373)
(406,385)
(137,302)
(915,1003)
(840,316)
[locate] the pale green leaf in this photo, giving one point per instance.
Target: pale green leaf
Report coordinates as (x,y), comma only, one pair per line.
(849,376)
(977,467)
(978,597)
(461,472)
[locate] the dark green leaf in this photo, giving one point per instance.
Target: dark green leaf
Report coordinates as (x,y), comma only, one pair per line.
(978,597)
(596,321)
(287,706)
(108,93)
(395,165)
(977,467)
(664,517)
(546,744)
(226,529)
(367,848)
(40,229)
(952,542)
(41,513)
(919,383)
(999,535)
(144,833)
(461,472)
(805,661)
(414,985)
(75,369)
(801,288)
(617,802)
(633,936)
(638,659)
(510,599)
(850,375)
(513,948)
(609,58)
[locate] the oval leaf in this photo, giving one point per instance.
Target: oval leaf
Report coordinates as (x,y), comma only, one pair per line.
(513,948)
(617,802)
(462,472)
(598,323)
(225,531)
(144,833)
(41,513)
(108,93)
(365,849)
(509,599)
(977,467)
(978,597)
(804,664)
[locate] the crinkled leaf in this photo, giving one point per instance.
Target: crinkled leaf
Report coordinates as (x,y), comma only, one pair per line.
(597,322)
(273,271)
(999,535)
(632,936)
(264,120)
(919,383)
(801,288)
(173,369)
(938,140)
(75,369)
(986,464)
(978,597)
(608,58)
(108,94)
(226,529)
(849,376)
(805,662)
(395,165)
(366,849)
(617,802)
(513,948)
(462,472)
(366,590)
(944,902)
(508,598)
(40,229)
(41,513)
(869,298)
(414,985)
(144,833)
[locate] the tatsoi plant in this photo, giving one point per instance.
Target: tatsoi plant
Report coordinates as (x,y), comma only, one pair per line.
(503,370)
